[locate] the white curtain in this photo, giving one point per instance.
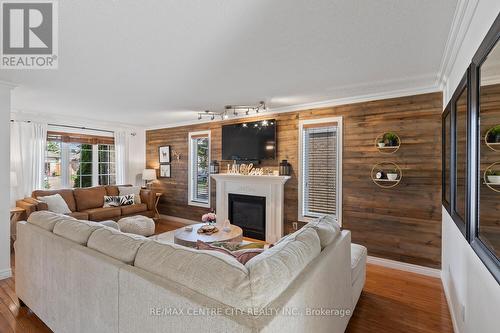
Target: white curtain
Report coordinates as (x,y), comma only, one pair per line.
(121,158)
(28,142)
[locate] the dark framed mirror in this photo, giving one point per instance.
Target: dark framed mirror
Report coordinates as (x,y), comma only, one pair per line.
(485,133)
(459,161)
(446,149)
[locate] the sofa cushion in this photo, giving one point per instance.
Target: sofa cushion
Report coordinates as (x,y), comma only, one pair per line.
(116,244)
(88,198)
(76,230)
(327,228)
(55,203)
(111,224)
(66,194)
(358,261)
(210,273)
(100,214)
(79,215)
(272,271)
(47,220)
(112,190)
(135,190)
(133,209)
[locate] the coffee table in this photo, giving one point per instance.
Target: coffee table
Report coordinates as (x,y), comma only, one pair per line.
(189,238)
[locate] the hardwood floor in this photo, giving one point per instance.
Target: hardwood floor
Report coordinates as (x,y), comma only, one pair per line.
(396,301)
(392,301)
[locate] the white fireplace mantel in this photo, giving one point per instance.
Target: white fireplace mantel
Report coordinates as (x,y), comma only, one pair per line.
(270,187)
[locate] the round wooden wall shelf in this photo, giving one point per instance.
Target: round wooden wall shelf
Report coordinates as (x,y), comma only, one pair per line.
(492,144)
(386,146)
(492,183)
(387,170)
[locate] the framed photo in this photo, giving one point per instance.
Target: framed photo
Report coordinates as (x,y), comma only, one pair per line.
(164,153)
(165,171)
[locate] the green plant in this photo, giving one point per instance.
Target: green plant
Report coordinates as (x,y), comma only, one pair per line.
(492,173)
(493,134)
(391,138)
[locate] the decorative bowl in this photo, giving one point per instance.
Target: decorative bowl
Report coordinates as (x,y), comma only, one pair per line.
(392,176)
(494,179)
(381,144)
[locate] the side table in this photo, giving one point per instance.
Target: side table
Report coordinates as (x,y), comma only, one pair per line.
(157,213)
(16,215)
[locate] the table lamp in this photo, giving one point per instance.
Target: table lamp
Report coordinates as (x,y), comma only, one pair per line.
(149,175)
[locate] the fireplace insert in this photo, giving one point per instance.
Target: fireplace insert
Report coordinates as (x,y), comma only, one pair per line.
(249,213)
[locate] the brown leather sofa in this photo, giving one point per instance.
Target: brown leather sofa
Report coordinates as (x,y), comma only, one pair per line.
(87,203)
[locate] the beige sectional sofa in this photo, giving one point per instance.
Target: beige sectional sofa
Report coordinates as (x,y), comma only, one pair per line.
(81,276)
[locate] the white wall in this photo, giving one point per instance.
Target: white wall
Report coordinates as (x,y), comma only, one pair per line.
(466,280)
(137,157)
(468,284)
(4,182)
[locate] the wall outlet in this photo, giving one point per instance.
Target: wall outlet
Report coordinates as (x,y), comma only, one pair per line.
(295,225)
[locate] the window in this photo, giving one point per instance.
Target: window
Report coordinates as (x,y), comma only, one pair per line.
(106,164)
(53,165)
(199,178)
(77,160)
(320,168)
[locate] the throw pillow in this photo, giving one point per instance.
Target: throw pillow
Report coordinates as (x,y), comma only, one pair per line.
(118,200)
(243,256)
(135,190)
(56,203)
(235,246)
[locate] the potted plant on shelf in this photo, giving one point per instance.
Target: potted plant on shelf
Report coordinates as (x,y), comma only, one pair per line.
(392,175)
(493,176)
(391,139)
(381,143)
(494,135)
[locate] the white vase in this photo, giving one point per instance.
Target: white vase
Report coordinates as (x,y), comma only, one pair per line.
(381,144)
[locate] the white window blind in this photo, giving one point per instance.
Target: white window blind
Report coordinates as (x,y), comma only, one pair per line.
(319,169)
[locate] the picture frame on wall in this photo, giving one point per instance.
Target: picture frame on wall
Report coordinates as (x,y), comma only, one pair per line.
(164,154)
(165,171)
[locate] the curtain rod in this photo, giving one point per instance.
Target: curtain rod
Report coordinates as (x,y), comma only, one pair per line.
(69,126)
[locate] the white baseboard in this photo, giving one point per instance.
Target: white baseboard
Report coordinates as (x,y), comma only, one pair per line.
(178,219)
(402,266)
(446,288)
(5,274)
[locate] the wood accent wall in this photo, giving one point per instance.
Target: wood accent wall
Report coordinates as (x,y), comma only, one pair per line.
(402,223)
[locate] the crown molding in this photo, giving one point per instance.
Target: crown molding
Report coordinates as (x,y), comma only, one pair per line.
(421,85)
(60,119)
(8,85)
(462,19)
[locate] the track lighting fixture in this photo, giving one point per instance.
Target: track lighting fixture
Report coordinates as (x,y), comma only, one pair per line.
(235,108)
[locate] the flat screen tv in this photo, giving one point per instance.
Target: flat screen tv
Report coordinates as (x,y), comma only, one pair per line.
(254,141)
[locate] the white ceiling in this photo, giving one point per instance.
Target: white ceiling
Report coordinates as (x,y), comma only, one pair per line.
(159,62)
